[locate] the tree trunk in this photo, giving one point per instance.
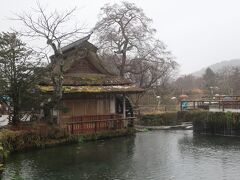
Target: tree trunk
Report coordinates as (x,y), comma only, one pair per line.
(16,110)
(123,64)
(57,80)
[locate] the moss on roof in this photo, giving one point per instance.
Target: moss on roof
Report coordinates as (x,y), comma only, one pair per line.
(94,89)
(79,78)
(89,80)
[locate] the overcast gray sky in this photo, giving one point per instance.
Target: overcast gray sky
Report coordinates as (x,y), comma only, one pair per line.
(198,32)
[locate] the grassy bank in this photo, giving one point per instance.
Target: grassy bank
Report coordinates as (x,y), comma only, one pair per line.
(204,122)
(39,136)
(165,119)
(15,141)
(19,140)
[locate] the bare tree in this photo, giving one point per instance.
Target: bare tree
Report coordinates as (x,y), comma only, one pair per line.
(124,32)
(228,80)
(188,83)
(151,76)
(51,27)
(147,73)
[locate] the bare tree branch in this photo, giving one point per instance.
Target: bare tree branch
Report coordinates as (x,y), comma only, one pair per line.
(51,27)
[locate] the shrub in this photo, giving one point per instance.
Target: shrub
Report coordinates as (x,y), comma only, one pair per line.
(164,119)
(217,123)
(17,140)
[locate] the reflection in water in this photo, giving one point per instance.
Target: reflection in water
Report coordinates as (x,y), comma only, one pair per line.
(86,161)
(152,155)
(212,157)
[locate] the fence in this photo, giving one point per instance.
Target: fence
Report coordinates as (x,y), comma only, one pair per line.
(94,126)
(215,106)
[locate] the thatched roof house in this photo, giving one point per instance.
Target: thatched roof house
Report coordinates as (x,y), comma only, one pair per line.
(91,92)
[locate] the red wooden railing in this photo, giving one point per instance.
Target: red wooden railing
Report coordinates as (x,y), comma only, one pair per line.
(94,117)
(95,126)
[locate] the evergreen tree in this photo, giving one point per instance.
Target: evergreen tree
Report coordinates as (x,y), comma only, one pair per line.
(209,78)
(19,75)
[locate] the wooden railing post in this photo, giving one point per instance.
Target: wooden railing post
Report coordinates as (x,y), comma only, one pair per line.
(95,126)
(71,128)
(124,106)
(102,123)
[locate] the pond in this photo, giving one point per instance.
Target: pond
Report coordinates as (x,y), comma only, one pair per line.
(149,155)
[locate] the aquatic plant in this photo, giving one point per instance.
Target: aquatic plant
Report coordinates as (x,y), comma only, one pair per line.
(222,123)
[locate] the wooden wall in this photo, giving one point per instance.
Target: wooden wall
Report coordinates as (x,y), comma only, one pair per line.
(88,106)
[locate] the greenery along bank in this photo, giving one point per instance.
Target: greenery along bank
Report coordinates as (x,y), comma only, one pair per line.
(37,136)
(165,119)
(217,123)
(204,122)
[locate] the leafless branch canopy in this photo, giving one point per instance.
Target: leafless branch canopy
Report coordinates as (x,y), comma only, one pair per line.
(124,34)
(50,26)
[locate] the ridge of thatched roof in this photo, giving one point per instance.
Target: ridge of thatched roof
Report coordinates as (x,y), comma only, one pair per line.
(83,42)
(91,55)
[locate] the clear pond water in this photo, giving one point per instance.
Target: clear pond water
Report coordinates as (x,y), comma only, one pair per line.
(153,155)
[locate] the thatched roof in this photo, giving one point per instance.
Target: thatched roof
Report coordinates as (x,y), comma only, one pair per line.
(80,43)
(84,72)
(91,57)
(95,89)
(89,80)
(98,63)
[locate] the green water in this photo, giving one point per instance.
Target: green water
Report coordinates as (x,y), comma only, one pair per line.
(149,155)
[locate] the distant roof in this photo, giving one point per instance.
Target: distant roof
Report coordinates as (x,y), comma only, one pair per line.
(79,43)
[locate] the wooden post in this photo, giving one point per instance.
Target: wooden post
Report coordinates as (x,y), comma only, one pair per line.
(72,128)
(124,111)
(58,117)
(223,106)
(124,106)
(95,127)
